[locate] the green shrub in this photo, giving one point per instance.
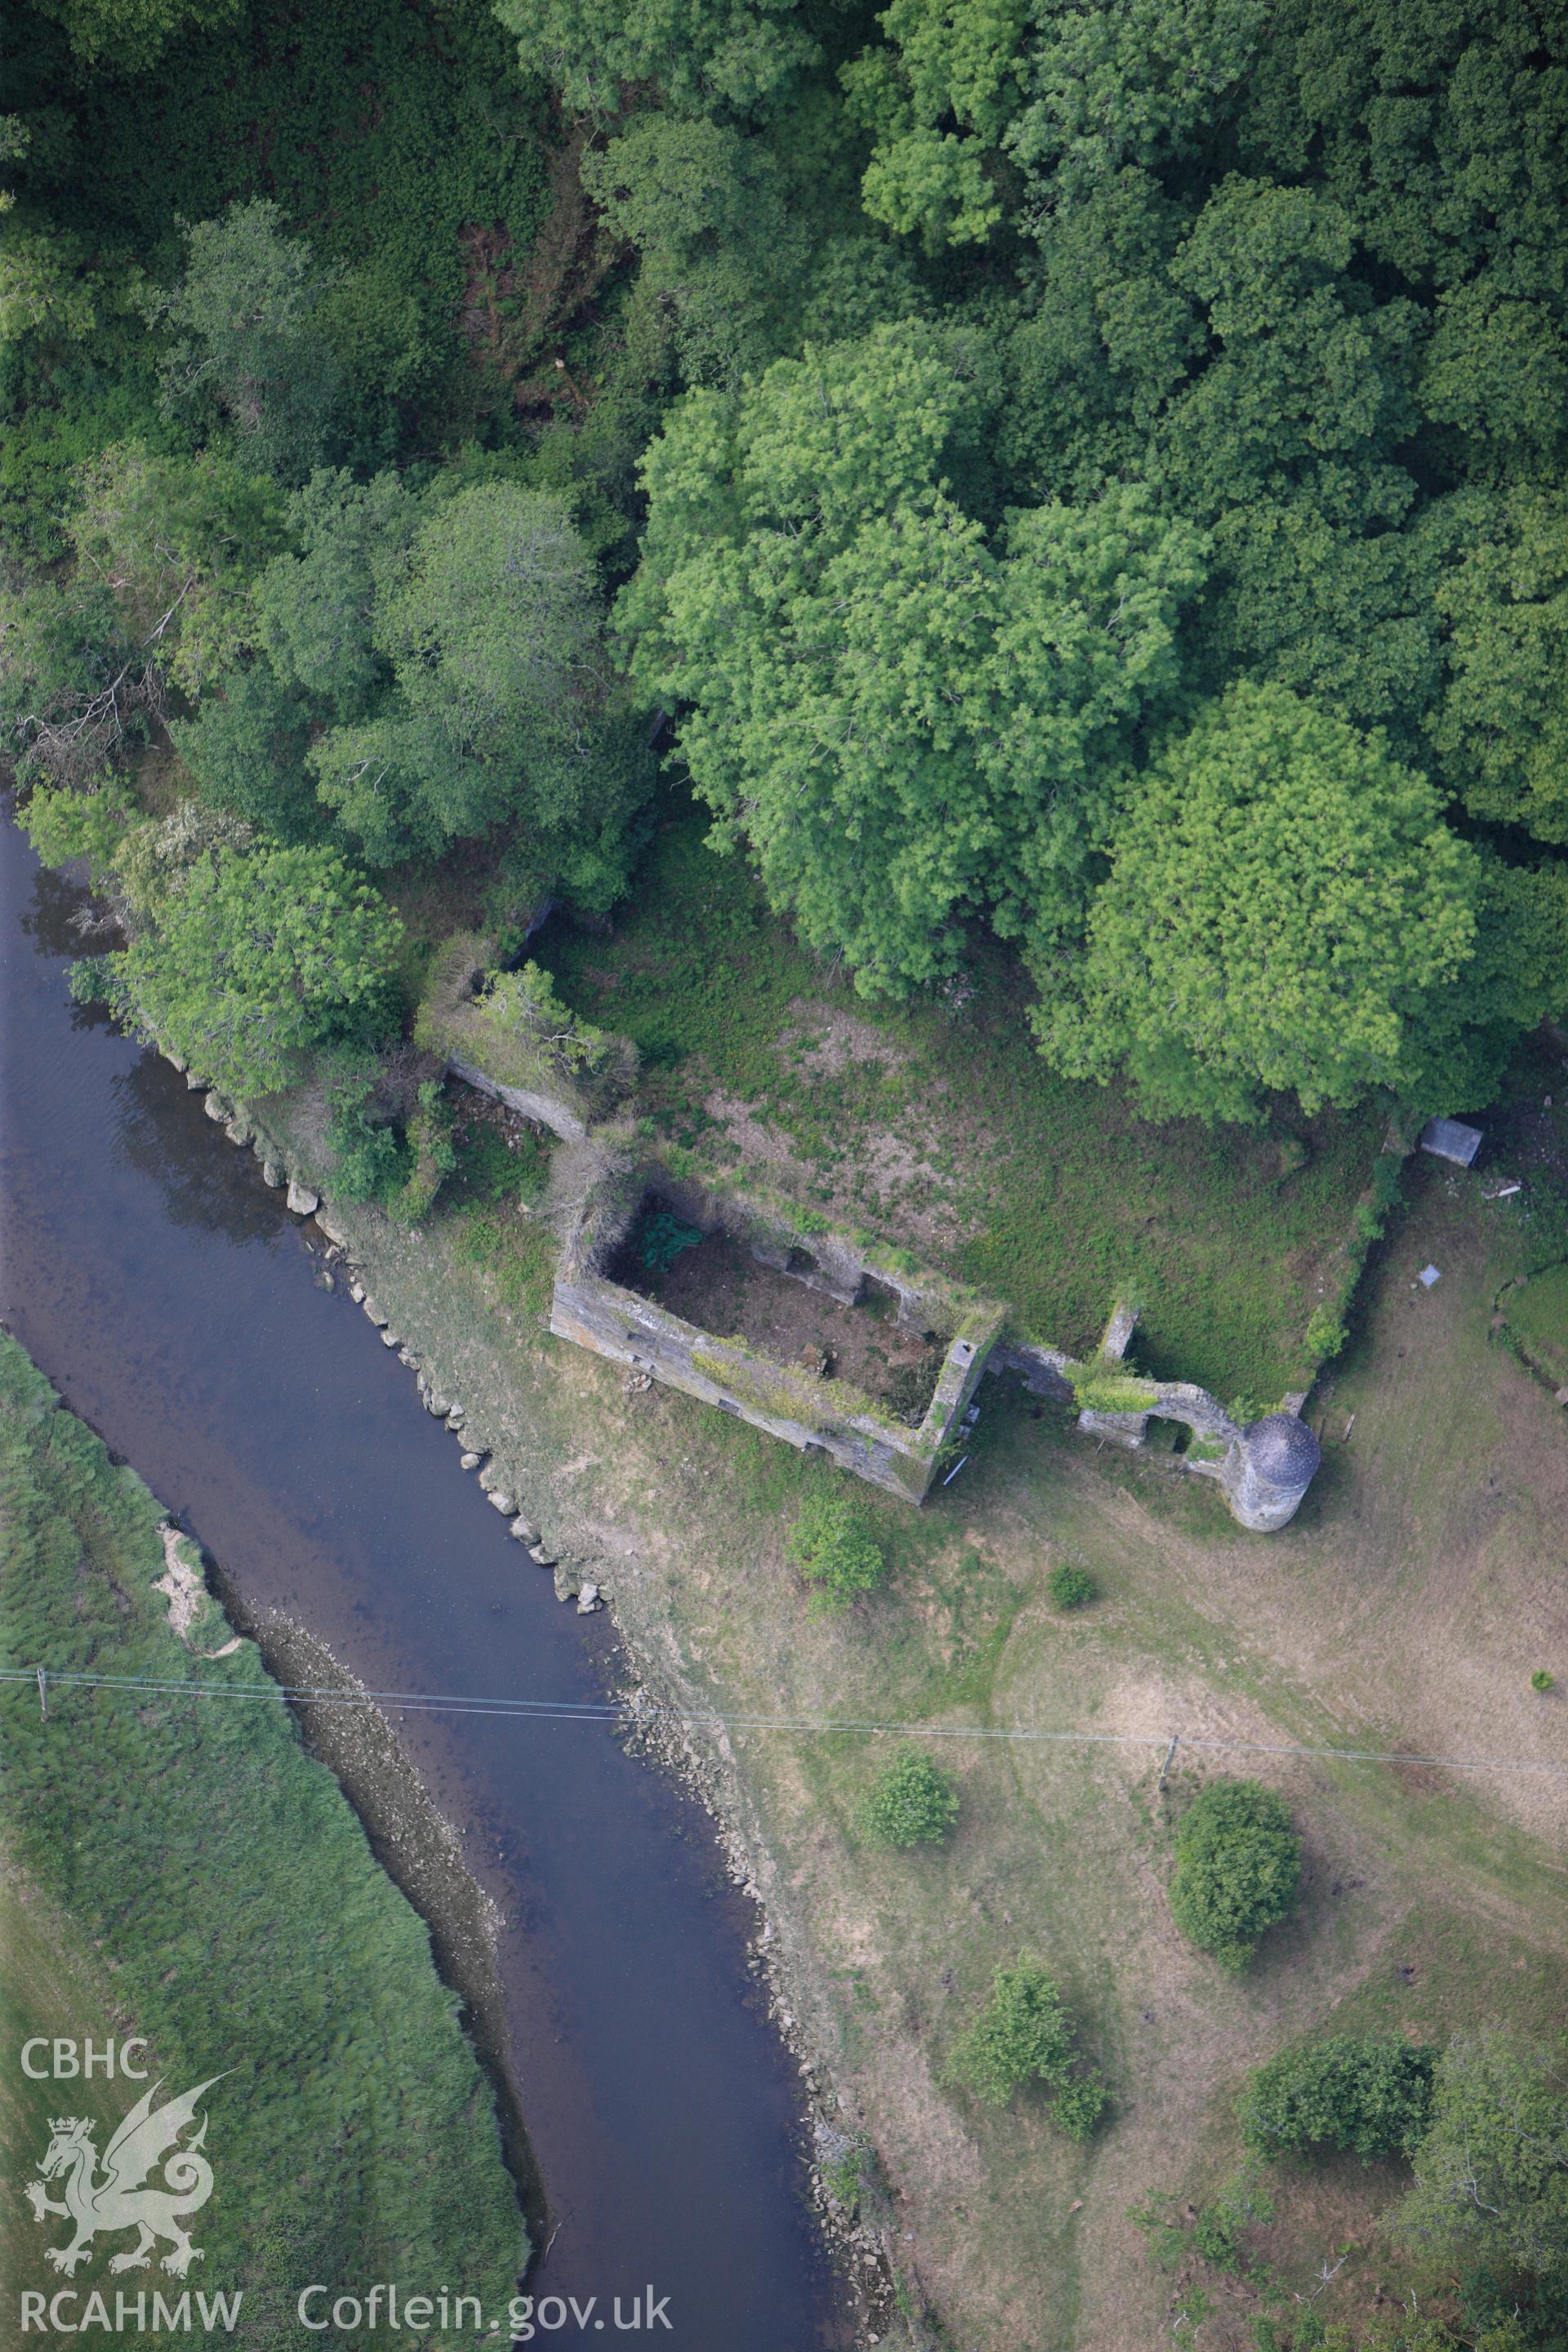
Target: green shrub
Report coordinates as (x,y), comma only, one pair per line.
(835,1550)
(1238,1866)
(1326,1334)
(370,1160)
(1070,1587)
(912,1801)
(847,2176)
(1024,2035)
(662,1238)
(1542,1681)
(1107,1388)
(372,1163)
(1372,2097)
(434,1156)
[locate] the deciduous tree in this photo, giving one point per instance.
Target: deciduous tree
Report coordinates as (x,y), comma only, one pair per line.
(246,316)
(252,956)
(906,722)
(1284,910)
(1491,2175)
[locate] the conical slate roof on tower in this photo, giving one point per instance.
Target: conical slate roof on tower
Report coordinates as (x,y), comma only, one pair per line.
(1283,1449)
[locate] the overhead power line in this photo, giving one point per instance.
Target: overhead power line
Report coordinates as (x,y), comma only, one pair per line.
(630,1713)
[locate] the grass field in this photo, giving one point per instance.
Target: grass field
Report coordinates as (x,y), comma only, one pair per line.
(936,1128)
(1405,1609)
(1536,1313)
(191,1874)
(50,1981)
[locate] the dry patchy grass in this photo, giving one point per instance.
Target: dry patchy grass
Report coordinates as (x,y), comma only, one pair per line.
(1403,1609)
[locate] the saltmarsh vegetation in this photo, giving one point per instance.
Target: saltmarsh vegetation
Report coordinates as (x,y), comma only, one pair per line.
(198,1845)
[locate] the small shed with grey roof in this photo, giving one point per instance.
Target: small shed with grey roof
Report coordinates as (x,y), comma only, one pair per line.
(1449,1140)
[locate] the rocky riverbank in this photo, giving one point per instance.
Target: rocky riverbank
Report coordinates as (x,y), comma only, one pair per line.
(505,1393)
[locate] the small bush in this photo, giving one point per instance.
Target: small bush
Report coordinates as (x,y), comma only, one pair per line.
(835,1551)
(1099,1387)
(913,1802)
(661,1238)
(434,1157)
(371,1162)
(1024,2035)
(1215,2232)
(1374,2098)
(1070,1587)
(1541,1681)
(1238,1867)
(848,2174)
(1326,1334)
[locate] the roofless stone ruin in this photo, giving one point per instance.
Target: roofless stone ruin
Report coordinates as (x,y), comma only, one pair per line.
(823,1345)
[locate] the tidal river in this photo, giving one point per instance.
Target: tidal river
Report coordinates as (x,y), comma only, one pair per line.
(165,1292)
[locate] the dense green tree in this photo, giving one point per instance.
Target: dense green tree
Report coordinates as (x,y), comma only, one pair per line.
(128,34)
(708,208)
(445,654)
(1329,586)
(1517,977)
(489,625)
(936,101)
(73,682)
(245,748)
(175,540)
(1441,126)
(904,723)
(1309,368)
(1069,96)
(1369,2096)
(1501,729)
(252,956)
(246,316)
(1238,1869)
(701,53)
(315,609)
(155,593)
(1283,910)
(1497,372)
(1107,338)
(1491,2175)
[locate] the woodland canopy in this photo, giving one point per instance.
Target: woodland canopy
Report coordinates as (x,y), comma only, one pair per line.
(1090,476)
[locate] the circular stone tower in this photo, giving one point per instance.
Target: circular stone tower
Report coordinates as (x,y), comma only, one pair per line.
(1268,1469)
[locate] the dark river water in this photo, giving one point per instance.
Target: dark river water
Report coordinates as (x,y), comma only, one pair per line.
(167,1295)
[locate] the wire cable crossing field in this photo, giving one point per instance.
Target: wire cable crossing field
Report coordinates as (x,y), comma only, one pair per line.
(616,1711)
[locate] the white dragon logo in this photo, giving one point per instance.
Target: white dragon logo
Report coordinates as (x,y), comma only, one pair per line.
(120,2202)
